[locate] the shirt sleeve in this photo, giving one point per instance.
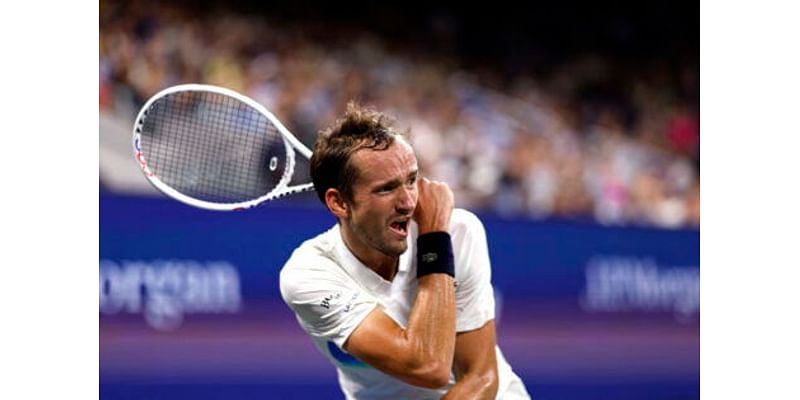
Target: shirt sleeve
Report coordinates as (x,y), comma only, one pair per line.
(328,305)
(474,292)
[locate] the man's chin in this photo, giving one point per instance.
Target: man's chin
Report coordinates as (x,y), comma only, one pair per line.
(394,251)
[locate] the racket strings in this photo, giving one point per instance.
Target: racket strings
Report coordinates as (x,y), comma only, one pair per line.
(213,147)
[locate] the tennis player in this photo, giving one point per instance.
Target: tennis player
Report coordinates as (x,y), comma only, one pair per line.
(397,295)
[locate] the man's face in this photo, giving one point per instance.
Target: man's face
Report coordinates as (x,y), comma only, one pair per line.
(384,198)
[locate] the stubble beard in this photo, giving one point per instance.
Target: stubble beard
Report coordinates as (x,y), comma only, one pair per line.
(377,242)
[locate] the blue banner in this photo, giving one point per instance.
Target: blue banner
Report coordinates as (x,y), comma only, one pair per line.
(188,296)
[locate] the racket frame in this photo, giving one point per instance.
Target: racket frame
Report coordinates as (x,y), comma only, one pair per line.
(290,142)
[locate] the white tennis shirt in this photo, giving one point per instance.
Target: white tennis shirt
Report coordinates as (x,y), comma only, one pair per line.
(331,292)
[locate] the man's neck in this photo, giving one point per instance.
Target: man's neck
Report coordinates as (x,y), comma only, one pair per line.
(381,264)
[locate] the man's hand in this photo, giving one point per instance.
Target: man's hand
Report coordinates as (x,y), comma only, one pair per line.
(434,207)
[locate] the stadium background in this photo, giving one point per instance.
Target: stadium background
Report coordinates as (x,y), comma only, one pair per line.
(572,130)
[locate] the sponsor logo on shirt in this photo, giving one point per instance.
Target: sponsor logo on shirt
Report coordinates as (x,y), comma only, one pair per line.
(326,302)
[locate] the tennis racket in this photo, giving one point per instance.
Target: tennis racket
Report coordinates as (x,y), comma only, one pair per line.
(216,149)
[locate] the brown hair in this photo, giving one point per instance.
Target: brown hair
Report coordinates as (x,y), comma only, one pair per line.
(359,128)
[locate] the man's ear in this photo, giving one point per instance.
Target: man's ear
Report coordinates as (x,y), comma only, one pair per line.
(337,204)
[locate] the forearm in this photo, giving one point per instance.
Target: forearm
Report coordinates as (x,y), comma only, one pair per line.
(422,353)
(431,328)
(430,334)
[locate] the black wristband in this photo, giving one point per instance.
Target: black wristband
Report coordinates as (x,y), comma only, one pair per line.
(435,254)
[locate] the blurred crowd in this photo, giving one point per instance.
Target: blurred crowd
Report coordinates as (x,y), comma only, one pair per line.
(520,144)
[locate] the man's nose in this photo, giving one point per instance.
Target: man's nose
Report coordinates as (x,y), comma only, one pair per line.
(406,200)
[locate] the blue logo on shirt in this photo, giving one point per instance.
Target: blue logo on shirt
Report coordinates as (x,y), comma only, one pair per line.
(343,357)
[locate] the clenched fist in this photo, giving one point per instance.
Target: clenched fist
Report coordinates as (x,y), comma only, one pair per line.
(434,206)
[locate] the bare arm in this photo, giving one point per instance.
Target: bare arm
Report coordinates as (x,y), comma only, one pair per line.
(421,354)
(475,365)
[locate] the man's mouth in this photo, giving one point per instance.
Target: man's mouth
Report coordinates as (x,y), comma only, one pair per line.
(400,227)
